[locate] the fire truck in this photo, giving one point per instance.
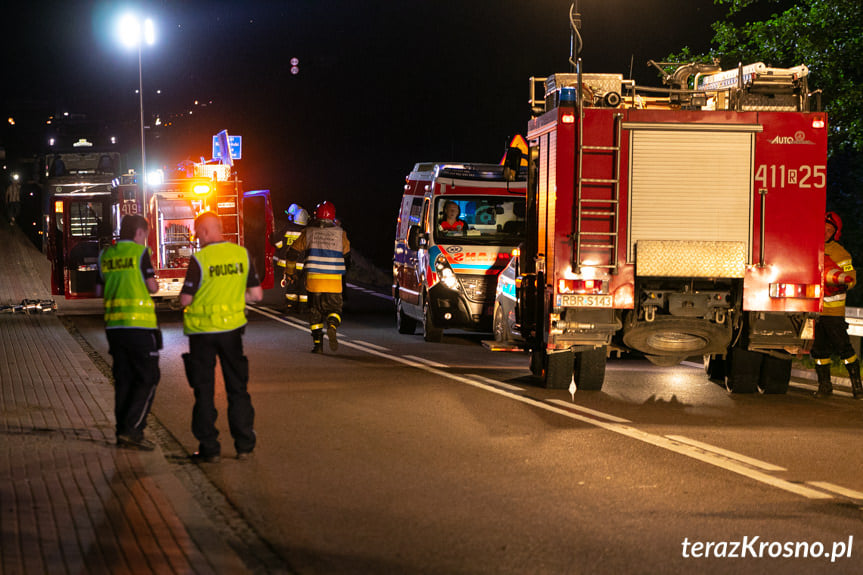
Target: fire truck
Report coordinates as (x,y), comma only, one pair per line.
(679,221)
(85,218)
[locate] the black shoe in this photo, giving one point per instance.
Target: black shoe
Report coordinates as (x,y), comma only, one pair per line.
(199,457)
(245,455)
(319,347)
(332,337)
(140,443)
(823,392)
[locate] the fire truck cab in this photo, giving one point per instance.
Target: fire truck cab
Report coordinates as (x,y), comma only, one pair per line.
(679,221)
(86,220)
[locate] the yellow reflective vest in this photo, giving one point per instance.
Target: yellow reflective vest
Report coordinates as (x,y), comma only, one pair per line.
(127,300)
(220,302)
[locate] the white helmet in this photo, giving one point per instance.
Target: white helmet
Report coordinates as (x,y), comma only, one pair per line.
(301,217)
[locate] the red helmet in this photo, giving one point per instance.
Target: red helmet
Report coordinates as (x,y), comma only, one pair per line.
(325,211)
(834,220)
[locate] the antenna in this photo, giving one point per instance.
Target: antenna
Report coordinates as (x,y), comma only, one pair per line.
(575,42)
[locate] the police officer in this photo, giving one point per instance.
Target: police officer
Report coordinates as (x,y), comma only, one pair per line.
(133,334)
(831,330)
(219,281)
(327,254)
(296,296)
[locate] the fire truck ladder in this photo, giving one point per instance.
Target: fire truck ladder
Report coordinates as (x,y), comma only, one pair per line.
(229,213)
(588,206)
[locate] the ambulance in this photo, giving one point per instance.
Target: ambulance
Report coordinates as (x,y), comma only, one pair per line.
(457,226)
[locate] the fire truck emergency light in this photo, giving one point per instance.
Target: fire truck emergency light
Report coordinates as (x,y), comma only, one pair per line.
(201,189)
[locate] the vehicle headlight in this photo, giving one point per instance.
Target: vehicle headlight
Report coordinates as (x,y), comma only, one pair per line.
(445,273)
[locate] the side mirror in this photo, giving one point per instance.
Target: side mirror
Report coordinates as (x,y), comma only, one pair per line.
(417,239)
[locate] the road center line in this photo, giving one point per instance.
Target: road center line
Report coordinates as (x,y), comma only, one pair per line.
(569,405)
(425,361)
(495,382)
(838,489)
(730,454)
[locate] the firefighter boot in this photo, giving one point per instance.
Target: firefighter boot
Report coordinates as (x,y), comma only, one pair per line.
(318,339)
(825,387)
(854,373)
(333,321)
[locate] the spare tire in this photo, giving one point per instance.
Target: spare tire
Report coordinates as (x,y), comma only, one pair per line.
(677,336)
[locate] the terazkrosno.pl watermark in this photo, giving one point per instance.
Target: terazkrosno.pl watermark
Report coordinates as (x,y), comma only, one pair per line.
(756,548)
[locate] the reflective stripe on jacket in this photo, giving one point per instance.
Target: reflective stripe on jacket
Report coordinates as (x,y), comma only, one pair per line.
(220,302)
(127,300)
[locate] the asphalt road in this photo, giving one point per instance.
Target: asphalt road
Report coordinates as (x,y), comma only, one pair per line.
(397,456)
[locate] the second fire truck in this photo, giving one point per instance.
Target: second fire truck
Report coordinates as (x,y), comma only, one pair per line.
(678,221)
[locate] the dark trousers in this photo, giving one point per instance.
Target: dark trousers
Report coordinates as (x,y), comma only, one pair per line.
(324,305)
(831,336)
(200,365)
(136,373)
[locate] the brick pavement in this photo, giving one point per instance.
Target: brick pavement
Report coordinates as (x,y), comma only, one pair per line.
(70,501)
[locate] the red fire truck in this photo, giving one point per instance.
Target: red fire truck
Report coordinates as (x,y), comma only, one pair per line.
(86,218)
(678,221)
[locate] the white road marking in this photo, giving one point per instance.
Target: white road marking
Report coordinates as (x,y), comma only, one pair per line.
(838,489)
(371,292)
(427,361)
(730,454)
(619,428)
(495,382)
(569,405)
(371,345)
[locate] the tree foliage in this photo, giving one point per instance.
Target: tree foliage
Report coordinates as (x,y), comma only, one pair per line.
(826,35)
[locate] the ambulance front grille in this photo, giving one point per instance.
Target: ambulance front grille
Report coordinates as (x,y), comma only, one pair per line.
(478,288)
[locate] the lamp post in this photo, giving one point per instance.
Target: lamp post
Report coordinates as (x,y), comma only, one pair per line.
(133,34)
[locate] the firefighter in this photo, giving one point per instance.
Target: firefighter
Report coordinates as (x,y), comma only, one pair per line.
(219,281)
(296,296)
(134,339)
(327,254)
(831,330)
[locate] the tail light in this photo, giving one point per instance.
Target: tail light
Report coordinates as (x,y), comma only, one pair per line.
(579,286)
(806,291)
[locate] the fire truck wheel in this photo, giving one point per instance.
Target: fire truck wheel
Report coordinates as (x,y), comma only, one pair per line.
(674,337)
(405,323)
(430,332)
(714,367)
(501,333)
(557,369)
(589,369)
(743,371)
(775,375)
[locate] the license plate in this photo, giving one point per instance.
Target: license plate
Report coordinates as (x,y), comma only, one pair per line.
(583,300)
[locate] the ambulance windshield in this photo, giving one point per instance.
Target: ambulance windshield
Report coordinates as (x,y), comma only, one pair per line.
(486,220)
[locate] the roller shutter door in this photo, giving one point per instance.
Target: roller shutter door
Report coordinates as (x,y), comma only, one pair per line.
(691,185)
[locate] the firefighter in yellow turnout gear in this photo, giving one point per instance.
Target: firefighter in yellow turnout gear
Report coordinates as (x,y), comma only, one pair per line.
(831,330)
(327,254)
(296,296)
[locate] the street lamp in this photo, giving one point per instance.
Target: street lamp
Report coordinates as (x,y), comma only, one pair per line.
(134,34)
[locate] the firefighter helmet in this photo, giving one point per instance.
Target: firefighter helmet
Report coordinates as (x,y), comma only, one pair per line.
(834,220)
(325,211)
(301,217)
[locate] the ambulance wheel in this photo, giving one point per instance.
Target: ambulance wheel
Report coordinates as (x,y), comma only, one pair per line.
(743,371)
(588,369)
(556,370)
(404,323)
(775,375)
(430,332)
(501,333)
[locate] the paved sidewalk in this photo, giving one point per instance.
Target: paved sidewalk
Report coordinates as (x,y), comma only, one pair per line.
(70,501)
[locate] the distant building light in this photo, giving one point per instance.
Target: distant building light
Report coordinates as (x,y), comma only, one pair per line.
(113,139)
(82,143)
(66,114)
(158,121)
(11,121)
(51,142)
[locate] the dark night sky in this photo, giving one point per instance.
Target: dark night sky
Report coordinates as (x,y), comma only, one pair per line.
(382,84)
